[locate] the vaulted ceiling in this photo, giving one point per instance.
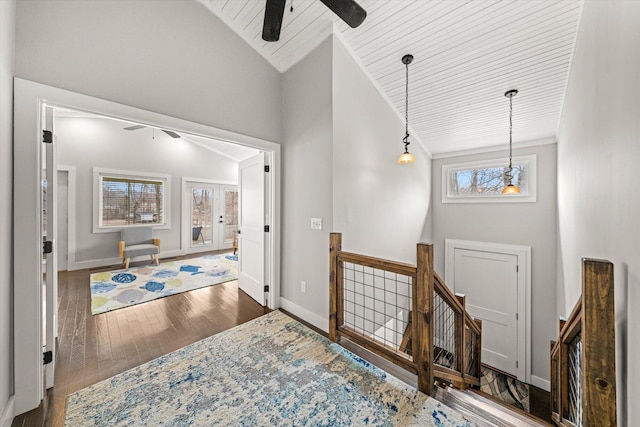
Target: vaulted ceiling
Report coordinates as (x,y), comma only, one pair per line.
(468,53)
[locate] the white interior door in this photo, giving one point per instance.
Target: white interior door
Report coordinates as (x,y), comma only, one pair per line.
(62,240)
(490,283)
(251,222)
(49,216)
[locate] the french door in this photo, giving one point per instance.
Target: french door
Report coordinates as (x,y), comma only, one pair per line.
(212,215)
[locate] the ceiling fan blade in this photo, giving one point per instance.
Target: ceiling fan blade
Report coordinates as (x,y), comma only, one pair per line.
(273,13)
(348,10)
(171,133)
(135,127)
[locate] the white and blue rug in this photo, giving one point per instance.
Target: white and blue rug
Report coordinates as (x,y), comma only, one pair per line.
(272,371)
(112,290)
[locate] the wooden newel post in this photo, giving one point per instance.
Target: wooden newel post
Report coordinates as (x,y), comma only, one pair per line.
(335,245)
(422,293)
(599,344)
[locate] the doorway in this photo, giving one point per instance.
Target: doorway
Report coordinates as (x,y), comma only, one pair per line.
(28,117)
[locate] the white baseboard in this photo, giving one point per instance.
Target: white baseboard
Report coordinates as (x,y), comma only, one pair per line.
(105,262)
(540,383)
(7,415)
(309,316)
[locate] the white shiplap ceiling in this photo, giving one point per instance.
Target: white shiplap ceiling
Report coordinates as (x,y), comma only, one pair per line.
(467,54)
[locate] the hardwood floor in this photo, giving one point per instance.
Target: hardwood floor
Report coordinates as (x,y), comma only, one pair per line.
(93,348)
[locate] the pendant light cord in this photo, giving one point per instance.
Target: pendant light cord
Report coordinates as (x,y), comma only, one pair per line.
(510,136)
(406,109)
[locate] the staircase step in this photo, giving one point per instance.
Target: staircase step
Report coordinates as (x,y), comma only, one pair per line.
(479,406)
(512,410)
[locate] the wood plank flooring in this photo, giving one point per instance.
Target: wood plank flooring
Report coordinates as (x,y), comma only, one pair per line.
(93,348)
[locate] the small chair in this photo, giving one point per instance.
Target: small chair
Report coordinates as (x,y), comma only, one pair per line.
(138,241)
(196,233)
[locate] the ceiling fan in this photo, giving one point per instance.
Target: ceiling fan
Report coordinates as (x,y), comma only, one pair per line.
(348,10)
(172,134)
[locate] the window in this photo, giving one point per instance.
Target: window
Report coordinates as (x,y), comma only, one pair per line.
(480,182)
(128,199)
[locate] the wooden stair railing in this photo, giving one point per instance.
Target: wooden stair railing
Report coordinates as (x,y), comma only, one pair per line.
(361,288)
(583,371)
(467,343)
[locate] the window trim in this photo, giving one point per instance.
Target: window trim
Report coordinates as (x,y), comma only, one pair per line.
(531,196)
(99,173)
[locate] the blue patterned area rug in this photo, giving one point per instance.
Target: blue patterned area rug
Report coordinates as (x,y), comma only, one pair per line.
(112,290)
(272,371)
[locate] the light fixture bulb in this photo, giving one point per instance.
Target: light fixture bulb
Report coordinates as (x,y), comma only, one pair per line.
(511,189)
(406,158)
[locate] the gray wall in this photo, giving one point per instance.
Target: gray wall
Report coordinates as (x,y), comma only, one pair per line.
(599,200)
(307,180)
(339,165)
(527,224)
(170,57)
(7,19)
(381,207)
(92,142)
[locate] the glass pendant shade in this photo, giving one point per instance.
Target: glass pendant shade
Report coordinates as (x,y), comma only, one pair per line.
(406,158)
(511,189)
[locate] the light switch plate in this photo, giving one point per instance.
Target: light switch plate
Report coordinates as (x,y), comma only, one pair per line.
(316,223)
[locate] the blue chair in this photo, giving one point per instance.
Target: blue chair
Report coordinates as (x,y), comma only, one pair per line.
(138,241)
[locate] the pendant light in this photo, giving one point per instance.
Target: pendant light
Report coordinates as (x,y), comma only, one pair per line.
(406,157)
(510,188)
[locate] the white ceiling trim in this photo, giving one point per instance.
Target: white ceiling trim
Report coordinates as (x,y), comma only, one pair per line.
(493,148)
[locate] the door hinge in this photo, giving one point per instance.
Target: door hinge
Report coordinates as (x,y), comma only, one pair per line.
(266,228)
(47,357)
(516,363)
(47,247)
(266,168)
(266,288)
(47,136)
(517,268)
(517,317)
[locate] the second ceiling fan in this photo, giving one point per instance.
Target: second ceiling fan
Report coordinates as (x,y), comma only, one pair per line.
(347,10)
(171,133)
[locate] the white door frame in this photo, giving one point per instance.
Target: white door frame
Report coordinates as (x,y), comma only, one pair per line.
(28,98)
(185,242)
(523,254)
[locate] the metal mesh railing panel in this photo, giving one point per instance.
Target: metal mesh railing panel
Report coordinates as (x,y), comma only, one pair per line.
(444,337)
(574,365)
(377,304)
